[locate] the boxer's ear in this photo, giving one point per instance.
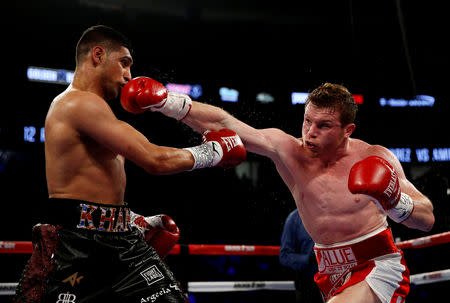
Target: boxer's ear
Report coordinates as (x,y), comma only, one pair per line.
(97,55)
(349,129)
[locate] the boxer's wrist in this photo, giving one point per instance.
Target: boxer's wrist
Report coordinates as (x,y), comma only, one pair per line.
(402,210)
(177,106)
(206,155)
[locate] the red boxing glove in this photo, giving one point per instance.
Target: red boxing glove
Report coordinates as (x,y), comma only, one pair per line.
(159,231)
(164,239)
(143,93)
(234,152)
(223,148)
(376,178)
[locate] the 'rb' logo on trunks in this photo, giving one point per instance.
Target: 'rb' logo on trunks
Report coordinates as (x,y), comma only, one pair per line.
(336,259)
(66,298)
(102,218)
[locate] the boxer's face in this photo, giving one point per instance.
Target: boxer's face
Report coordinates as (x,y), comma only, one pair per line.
(322,131)
(116,71)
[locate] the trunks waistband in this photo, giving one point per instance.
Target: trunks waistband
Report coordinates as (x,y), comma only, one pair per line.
(86,215)
(336,259)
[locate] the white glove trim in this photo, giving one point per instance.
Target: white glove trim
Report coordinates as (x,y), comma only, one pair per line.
(402,210)
(206,155)
(176,105)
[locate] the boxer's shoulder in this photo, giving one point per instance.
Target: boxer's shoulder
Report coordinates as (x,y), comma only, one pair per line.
(282,140)
(360,149)
(76,105)
(377,150)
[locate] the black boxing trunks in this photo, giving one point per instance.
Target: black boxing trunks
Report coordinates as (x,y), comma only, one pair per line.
(90,253)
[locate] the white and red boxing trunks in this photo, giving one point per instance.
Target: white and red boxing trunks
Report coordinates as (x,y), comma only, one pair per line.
(373,258)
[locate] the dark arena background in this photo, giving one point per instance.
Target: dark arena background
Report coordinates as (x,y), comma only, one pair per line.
(254,59)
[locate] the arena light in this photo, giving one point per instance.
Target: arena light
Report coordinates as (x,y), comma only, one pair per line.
(402,154)
(422,155)
(228,94)
(301,97)
(49,75)
(359,99)
(194,91)
(441,155)
(264,98)
(417,101)
(30,133)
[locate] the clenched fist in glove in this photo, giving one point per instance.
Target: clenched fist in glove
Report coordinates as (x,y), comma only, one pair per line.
(159,231)
(376,177)
(220,148)
(142,93)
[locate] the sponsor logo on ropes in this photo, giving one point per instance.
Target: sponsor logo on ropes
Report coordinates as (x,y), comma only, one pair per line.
(7,245)
(249,285)
(249,248)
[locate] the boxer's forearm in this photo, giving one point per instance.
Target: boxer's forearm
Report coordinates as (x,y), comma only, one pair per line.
(204,116)
(422,217)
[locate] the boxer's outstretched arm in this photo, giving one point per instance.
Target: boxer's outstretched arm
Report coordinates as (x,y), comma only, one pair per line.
(143,93)
(204,116)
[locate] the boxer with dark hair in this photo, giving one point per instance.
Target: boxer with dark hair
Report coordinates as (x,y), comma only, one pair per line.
(344,189)
(92,247)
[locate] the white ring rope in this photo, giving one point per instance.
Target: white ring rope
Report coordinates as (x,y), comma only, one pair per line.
(418,279)
(239,286)
(229,286)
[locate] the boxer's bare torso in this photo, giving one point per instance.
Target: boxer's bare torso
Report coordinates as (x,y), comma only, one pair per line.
(78,167)
(330,212)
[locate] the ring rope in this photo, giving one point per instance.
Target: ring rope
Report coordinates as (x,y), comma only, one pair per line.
(228,286)
(26,247)
(231,286)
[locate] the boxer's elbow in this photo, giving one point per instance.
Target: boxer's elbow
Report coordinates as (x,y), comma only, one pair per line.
(424,222)
(428,223)
(428,218)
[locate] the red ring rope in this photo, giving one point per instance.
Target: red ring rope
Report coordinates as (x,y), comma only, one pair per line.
(25,247)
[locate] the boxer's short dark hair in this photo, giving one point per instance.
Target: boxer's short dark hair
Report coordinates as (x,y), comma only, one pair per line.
(338,98)
(102,35)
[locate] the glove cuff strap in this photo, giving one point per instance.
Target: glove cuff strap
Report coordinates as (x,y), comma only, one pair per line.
(206,155)
(402,210)
(133,217)
(177,105)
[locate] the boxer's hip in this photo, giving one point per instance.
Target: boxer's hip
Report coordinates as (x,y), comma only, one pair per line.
(344,264)
(84,215)
(342,256)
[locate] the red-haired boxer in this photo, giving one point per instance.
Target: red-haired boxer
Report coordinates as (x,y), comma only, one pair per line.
(88,250)
(358,261)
